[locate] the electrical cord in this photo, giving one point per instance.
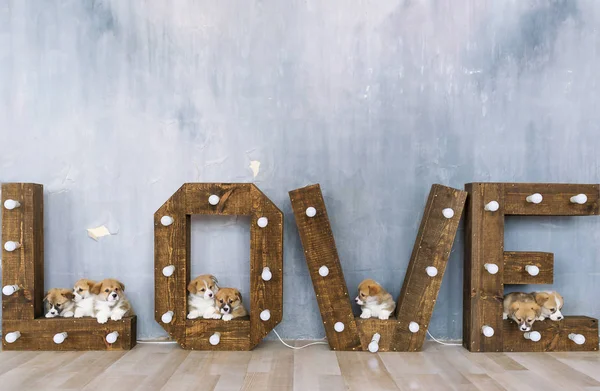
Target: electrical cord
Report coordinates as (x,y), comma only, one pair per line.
(443,343)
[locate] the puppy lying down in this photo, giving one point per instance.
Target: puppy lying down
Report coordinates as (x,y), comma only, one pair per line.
(522,308)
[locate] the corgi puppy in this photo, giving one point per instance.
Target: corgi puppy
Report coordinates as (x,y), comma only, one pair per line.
(230,304)
(59,302)
(374,301)
(110,301)
(201,300)
(84,299)
(522,308)
(551,303)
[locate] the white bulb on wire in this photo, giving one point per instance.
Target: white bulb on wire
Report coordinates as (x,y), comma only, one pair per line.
(265,315)
(431,271)
(12,337)
(532,270)
(488,331)
(215,339)
(262,222)
(9,289)
(579,199)
(311,212)
(577,338)
(60,338)
(167,220)
(413,327)
(11,204)
(534,336)
(213,199)
(374,344)
(339,327)
(323,271)
(11,246)
(167,317)
(491,268)
(168,270)
(112,337)
(492,206)
(448,213)
(535,198)
(266,274)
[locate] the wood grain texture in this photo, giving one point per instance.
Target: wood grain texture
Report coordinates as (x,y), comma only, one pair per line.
(320,250)
(516,261)
(83,334)
(172,247)
(432,248)
(25,265)
(385,328)
(556,199)
(483,292)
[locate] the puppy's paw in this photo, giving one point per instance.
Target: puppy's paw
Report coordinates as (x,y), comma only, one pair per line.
(78,314)
(116,316)
(68,314)
(541,318)
(193,315)
(227,317)
(49,315)
(504,316)
(366,314)
(384,315)
(216,316)
(102,318)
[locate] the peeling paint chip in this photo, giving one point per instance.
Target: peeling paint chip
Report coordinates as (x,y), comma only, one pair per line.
(255,167)
(98,232)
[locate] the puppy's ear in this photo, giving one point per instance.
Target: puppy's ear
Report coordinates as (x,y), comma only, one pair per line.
(541,298)
(514,307)
(238,295)
(537,309)
(68,295)
(90,284)
(374,289)
(46,296)
(121,285)
(192,287)
(213,278)
(96,288)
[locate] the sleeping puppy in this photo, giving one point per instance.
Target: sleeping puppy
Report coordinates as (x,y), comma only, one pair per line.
(110,300)
(84,299)
(374,300)
(522,308)
(201,300)
(551,303)
(230,304)
(59,302)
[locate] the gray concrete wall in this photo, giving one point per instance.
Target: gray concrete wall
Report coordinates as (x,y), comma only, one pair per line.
(112,105)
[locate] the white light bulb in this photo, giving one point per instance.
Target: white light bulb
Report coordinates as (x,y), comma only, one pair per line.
(492,206)
(10,289)
(532,270)
(323,271)
(11,246)
(535,198)
(374,344)
(577,338)
(112,337)
(266,274)
(60,338)
(168,270)
(578,199)
(311,212)
(11,204)
(413,327)
(167,317)
(166,220)
(487,331)
(431,271)
(339,327)
(448,213)
(12,337)
(533,336)
(265,315)
(215,339)
(213,199)
(262,222)
(492,268)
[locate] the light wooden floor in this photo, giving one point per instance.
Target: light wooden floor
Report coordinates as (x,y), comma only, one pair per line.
(274,367)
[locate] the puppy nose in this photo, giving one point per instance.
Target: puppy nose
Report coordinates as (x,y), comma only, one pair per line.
(560,317)
(114,295)
(210,295)
(356,299)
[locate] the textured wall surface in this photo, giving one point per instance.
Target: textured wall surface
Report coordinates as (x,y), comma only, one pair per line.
(112,105)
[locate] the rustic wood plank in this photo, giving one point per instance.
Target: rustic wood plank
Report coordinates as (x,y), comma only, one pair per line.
(556,199)
(234,199)
(235,334)
(516,261)
(483,292)
(385,328)
(83,334)
(319,249)
(25,265)
(432,248)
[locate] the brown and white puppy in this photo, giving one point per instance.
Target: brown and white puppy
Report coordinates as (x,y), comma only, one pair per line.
(110,300)
(374,301)
(230,304)
(59,302)
(201,300)
(551,303)
(522,308)
(84,298)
